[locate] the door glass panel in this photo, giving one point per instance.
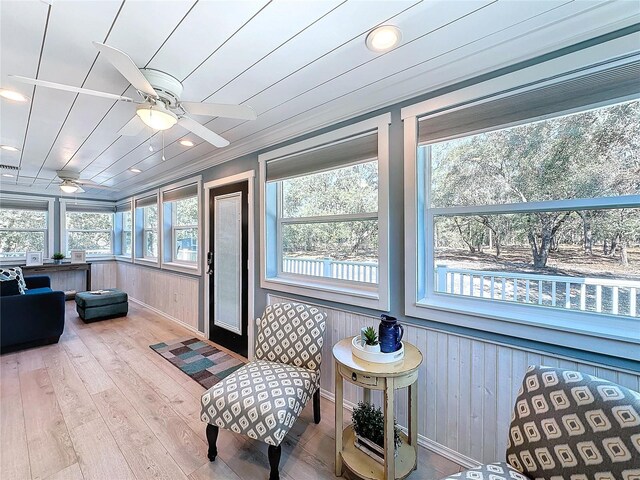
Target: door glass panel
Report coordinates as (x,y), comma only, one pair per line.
(227,270)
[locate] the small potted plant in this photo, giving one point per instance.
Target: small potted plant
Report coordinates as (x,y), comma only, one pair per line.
(57,258)
(370,340)
(368,426)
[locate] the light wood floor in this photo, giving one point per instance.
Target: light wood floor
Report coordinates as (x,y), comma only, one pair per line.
(101,405)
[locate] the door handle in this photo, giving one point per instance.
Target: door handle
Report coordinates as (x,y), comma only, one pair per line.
(210,263)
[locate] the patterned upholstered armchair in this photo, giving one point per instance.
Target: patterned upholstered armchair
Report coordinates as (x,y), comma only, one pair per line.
(263,399)
(569,425)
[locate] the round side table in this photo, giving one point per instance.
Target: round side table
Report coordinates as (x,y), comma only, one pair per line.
(385,377)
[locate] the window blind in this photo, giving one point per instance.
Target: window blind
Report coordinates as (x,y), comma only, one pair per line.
(94,207)
(26,204)
(347,151)
(124,207)
(180,193)
(621,81)
(147,201)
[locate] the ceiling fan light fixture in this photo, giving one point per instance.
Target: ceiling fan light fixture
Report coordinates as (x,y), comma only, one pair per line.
(13,95)
(383,38)
(156,117)
(186,143)
(68,187)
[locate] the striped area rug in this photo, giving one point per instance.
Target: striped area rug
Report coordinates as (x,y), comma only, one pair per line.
(204,363)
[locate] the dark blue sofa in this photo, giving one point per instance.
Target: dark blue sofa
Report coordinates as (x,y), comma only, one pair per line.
(33,319)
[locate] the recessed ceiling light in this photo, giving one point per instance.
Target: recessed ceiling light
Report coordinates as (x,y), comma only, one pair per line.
(9,148)
(12,95)
(383,38)
(135,170)
(8,175)
(186,143)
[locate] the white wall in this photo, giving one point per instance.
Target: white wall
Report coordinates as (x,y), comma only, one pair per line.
(467,386)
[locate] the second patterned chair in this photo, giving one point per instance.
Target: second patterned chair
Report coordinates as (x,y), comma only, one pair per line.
(263,399)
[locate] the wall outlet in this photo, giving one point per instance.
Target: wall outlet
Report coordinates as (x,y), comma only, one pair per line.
(175,297)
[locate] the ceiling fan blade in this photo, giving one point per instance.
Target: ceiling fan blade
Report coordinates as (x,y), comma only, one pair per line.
(203,132)
(123,63)
(241,112)
(133,127)
(69,88)
(92,184)
(80,189)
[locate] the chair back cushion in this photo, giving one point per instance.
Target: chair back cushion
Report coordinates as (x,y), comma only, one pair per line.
(568,424)
(291,333)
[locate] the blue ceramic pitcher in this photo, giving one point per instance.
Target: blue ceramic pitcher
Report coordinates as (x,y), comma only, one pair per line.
(390,334)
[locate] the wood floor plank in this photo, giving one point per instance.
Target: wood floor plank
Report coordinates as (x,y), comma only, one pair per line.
(98,454)
(92,374)
(145,454)
(14,453)
(72,472)
(183,444)
(213,471)
(50,447)
(75,402)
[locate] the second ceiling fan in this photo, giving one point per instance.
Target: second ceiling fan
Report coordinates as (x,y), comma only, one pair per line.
(161,106)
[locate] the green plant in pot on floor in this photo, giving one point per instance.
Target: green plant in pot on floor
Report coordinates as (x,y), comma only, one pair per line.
(368,425)
(57,258)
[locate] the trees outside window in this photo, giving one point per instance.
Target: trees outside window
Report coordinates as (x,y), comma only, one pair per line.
(185,230)
(150,232)
(91,231)
(21,231)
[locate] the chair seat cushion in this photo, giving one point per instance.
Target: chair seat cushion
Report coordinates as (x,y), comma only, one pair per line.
(261,400)
(34,291)
(491,471)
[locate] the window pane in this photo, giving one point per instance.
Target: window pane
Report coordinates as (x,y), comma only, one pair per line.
(341,250)
(584,155)
(16,244)
(23,219)
(94,243)
(344,190)
(126,221)
(126,243)
(89,221)
(151,217)
(186,211)
(586,260)
(187,244)
(150,242)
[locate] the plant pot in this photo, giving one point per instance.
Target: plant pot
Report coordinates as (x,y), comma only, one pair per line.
(370,448)
(371,348)
(57,261)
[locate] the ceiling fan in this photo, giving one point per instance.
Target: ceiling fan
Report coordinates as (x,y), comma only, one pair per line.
(70,182)
(161,106)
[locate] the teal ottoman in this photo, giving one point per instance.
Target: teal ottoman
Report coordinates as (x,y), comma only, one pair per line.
(111,303)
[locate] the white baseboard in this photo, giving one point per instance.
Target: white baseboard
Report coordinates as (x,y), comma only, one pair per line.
(423,441)
(198,333)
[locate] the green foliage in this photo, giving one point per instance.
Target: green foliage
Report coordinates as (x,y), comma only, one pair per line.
(370,336)
(186,211)
(368,422)
(58,256)
(31,237)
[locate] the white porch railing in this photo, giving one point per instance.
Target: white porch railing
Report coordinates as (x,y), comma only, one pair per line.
(602,295)
(330,268)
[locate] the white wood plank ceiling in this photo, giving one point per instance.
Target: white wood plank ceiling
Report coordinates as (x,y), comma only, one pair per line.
(301,64)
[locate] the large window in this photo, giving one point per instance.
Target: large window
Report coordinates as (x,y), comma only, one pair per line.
(24,227)
(180,218)
(150,232)
(326,215)
(89,228)
(528,207)
(123,230)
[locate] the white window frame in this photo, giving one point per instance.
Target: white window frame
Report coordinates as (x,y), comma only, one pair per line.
(617,336)
(174,236)
(149,261)
(175,264)
(124,256)
(146,230)
(354,293)
(49,231)
(64,231)
(123,236)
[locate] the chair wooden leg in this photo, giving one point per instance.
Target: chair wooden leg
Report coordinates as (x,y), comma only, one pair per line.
(212,437)
(316,406)
(274,461)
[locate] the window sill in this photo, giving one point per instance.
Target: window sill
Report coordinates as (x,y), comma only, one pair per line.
(123,258)
(181,267)
(368,297)
(147,261)
(617,337)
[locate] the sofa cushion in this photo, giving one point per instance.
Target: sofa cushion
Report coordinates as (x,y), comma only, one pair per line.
(33,291)
(491,471)
(88,299)
(8,287)
(14,273)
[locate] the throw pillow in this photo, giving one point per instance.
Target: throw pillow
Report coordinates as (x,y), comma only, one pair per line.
(14,273)
(8,287)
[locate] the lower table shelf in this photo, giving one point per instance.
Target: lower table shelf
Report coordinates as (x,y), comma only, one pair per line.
(366,467)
